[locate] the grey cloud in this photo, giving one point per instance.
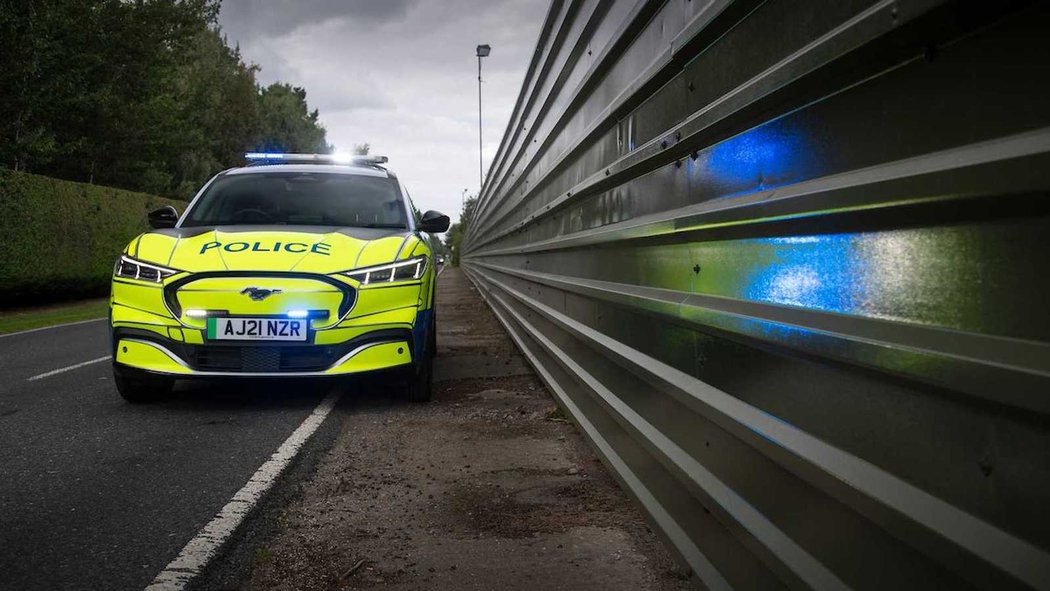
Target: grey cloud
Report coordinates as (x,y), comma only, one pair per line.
(241,19)
(400,75)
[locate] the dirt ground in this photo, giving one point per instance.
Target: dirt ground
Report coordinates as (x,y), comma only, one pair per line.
(485,487)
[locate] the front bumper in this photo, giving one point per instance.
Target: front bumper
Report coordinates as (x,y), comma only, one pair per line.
(372,352)
(385,329)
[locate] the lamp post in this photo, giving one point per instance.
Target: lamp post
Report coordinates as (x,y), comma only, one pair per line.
(483,51)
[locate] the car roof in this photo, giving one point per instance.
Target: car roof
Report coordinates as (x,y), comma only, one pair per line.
(372,171)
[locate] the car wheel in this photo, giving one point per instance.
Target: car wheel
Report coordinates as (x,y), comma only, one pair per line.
(139,387)
(432,341)
(420,387)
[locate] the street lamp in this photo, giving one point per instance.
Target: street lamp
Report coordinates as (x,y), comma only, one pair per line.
(483,51)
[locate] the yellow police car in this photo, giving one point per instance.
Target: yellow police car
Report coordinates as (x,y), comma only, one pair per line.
(297,265)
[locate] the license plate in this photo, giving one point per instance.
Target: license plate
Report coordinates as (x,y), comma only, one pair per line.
(256,329)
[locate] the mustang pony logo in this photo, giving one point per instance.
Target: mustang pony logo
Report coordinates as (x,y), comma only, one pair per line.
(258,293)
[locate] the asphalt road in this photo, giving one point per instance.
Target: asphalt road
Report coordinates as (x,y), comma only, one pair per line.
(96,493)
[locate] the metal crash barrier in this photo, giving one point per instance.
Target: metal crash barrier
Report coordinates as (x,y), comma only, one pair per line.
(785,264)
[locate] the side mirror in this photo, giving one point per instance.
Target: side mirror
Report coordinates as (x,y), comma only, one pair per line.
(434,222)
(165,217)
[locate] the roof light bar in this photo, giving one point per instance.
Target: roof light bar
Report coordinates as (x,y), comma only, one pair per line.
(339,158)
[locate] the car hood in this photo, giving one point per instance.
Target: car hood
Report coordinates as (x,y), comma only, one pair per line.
(272,249)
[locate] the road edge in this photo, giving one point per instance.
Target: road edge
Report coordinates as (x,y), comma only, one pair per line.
(206,545)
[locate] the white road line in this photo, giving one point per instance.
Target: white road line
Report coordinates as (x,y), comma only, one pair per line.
(15,334)
(206,544)
(65,369)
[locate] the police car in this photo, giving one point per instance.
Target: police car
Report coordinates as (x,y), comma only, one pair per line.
(297,265)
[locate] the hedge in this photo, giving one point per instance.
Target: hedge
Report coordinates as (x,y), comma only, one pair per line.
(59,239)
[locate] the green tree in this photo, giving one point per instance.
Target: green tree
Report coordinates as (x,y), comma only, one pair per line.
(287,123)
(84,83)
(119,124)
(454,236)
(217,98)
(29,77)
(146,95)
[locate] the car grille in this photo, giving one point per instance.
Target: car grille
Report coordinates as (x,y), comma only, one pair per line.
(223,290)
(260,359)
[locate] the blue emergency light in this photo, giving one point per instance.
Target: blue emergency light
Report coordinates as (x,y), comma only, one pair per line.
(339,158)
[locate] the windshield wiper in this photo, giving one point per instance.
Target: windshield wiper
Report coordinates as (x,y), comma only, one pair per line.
(391,226)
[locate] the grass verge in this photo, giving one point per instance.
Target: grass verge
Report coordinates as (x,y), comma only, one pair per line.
(16,320)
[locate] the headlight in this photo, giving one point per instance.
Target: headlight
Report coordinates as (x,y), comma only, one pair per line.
(129,268)
(399,271)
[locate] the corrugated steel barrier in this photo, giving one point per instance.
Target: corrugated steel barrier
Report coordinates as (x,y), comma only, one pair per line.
(785,264)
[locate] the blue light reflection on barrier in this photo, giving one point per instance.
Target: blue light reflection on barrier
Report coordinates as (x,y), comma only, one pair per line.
(806,271)
(811,272)
(762,158)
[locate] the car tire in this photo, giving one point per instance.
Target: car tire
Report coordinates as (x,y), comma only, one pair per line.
(140,387)
(420,388)
(432,339)
(421,384)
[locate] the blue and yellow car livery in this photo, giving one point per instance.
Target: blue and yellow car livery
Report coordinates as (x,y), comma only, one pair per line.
(271,289)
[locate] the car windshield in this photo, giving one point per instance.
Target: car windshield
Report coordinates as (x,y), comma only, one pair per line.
(299,198)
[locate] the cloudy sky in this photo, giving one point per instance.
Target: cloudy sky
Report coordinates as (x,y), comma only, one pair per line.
(400,75)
